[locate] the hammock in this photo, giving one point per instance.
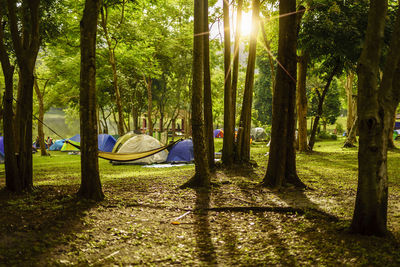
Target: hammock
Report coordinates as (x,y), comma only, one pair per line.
(123,157)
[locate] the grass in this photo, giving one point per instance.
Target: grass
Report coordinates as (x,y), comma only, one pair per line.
(138,223)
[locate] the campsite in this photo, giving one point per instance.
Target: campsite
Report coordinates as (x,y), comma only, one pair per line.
(200,133)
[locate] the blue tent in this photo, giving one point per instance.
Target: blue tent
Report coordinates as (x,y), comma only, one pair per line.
(106,142)
(76,138)
(2,145)
(57,145)
(181,152)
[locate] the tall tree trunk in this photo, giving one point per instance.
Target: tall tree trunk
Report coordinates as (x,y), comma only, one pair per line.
(375,112)
(351,114)
(245,116)
(201,177)
(90,179)
(208,116)
(321,99)
(235,69)
(267,44)
(301,99)
(113,63)
(11,163)
(282,159)
(149,106)
(26,42)
(40,95)
(227,150)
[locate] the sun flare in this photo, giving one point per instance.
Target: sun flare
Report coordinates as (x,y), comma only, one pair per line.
(246,24)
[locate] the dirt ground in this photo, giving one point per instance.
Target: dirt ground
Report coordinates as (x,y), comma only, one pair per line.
(150,221)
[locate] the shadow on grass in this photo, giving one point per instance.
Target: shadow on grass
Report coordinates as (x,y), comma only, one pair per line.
(33,226)
(205,247)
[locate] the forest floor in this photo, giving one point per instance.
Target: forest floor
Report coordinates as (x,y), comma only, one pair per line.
(146,219)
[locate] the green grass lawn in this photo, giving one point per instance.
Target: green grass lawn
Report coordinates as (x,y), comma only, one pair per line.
(141,220)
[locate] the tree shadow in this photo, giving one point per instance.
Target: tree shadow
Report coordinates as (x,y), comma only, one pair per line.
(205,247)
(33,225)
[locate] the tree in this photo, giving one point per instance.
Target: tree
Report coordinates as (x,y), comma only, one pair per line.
(227,150)
(243,147)
(40,96)
(376,105)
(208,117)
(201,177)
(90,179)
(24,22)
(11,163)
(113,63)
(301,100)
(282,161)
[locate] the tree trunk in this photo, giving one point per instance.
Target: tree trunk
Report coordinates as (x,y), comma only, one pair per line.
(113,63)
(26,46)
(149,106)
(90,179)
(245,116)
(11,164)
(301,100)
(43,151)
(282,159)
(201,177)
(321,99)
(227,150)
(208,116)
(351,114)
(375,112)
(351,136)
(267,44)
(235,70)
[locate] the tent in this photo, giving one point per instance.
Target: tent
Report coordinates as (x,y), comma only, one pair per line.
(397,125)
(57,145)
(122,140)
(106,142)
(218,133)
(141,143)
(396,134)
(67,147)
(258,134)
(2,145)
(181,152)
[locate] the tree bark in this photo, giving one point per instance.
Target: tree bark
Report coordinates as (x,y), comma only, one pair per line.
(11,163)
(352,134)
(301,100)
(40,95)
(282,160)
(90,179)
(228,142)
(208,116)
(113,63)
(375,111)
(321,99)
(350,103)
(149,106)
(245,116)
(201,177)
(26,42)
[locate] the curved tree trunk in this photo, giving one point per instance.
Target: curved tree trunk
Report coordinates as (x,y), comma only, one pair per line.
(321,99)
(113,63)
(208,116)
(245,116)
(90,179)
(351,113)
(301,100)
(352,133)
(282,160)
(201,177)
